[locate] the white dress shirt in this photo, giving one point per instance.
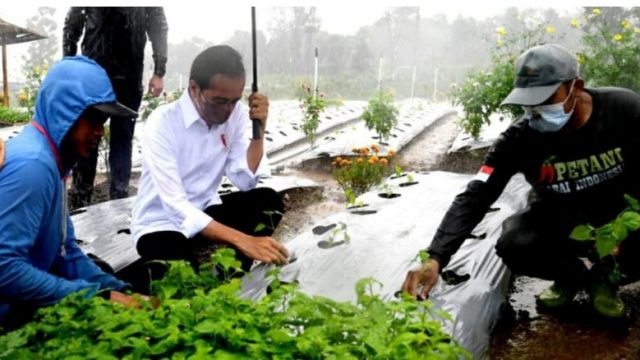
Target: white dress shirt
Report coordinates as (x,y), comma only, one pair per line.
(183,161)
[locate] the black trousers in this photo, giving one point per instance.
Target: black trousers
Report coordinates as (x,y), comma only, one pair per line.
(242,211)
(536,243)
(120,147)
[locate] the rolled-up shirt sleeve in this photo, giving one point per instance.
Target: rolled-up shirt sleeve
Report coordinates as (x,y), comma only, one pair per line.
(236,167)
(160,159)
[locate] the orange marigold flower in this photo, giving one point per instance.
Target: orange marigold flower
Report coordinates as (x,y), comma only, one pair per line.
(360,160)
(384,161)
(375,148)
(364,151)
(338,159)
(391,153)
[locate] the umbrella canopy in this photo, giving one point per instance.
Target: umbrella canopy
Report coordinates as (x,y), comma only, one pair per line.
(13,34)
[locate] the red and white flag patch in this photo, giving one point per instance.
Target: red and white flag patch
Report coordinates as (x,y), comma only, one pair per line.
(484,173)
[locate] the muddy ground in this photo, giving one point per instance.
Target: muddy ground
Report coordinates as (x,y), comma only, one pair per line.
(522,332)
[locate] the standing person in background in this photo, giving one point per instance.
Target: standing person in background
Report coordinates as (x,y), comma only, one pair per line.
(115,37)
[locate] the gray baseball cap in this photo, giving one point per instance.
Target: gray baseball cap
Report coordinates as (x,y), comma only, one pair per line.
(539,73)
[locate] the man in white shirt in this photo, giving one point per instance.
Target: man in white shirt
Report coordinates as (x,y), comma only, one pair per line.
(188,145)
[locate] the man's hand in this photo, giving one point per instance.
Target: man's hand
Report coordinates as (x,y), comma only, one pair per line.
(422,279)
(263,248)
(130,301)
(1,153)
(156,85)
(259,108)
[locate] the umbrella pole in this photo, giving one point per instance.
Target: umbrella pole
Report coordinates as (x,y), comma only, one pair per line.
(5,80)
(254,55)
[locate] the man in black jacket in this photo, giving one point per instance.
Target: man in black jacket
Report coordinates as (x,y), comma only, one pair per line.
(115,37)
(580,151)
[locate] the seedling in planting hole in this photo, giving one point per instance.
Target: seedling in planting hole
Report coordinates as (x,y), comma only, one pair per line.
(269,213)
(398,170)
(352,198)
(339,231)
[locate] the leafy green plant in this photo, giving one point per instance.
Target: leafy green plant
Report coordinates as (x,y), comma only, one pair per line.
(608,237)
(201,317)
(381,115)
(11,116)
(175,95)
(152,104)
(482,92)
(271,225)
(611,47)
(28,94)
(312,106)
(356,176)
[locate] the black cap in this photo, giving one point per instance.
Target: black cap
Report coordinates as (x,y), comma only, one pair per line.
(539,73)
(115,109)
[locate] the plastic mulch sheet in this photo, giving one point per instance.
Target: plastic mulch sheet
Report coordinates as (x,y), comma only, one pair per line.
(384,237)
(488,134)
(412,121)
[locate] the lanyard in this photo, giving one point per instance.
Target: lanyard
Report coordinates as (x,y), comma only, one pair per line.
(54,150)
(56,154)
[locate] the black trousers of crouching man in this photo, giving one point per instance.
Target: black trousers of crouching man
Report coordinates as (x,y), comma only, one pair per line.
(242,211)
(536,243)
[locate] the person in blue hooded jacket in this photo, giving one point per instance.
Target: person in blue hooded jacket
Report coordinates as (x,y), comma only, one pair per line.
(40,262)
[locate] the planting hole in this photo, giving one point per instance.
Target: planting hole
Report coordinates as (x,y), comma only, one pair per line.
(478,237)
(398,176)
(320,229)
(364,212)
(388,195)
(124,231)
(77,211)
(408,183)
(357,206)
(324,244)
(451,278)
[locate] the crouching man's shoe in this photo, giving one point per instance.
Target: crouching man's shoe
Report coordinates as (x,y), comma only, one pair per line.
(556,296)
(606,300)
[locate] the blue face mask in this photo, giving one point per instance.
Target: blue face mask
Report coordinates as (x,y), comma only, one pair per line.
(549,118)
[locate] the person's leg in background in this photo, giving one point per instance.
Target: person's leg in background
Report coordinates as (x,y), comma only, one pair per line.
(84,174)
(121,138)
(244,211)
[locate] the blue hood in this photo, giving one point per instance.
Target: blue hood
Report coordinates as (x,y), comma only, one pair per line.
(71,85)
